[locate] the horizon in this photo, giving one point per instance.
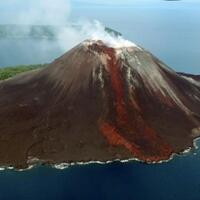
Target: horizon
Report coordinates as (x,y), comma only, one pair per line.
(99,99)
(146,23)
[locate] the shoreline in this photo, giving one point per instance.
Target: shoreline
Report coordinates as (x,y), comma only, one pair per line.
(62,166)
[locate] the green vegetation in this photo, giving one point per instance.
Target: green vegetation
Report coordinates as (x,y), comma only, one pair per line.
(8,72)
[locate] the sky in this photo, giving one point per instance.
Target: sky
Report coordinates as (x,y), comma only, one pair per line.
(170,30)
(123,2)
(21,11)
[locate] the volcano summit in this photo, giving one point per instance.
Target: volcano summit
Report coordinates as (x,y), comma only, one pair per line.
(98,103)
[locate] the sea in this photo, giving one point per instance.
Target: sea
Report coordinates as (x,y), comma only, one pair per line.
(178,179)
(171,31)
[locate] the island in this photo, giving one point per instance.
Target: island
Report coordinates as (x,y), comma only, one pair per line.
(98,103)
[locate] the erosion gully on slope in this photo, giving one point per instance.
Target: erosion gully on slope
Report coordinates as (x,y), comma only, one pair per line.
(142,135)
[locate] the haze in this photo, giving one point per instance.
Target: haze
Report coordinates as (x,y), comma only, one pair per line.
(170,30)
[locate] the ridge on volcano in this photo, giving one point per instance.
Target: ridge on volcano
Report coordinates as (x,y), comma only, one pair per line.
(98,102)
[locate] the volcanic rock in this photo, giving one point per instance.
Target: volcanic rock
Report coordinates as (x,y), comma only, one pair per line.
(98,103)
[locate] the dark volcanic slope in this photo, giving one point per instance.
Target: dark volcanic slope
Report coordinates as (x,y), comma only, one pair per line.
(98,103)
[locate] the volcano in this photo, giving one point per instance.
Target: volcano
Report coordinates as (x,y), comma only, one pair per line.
(98,103)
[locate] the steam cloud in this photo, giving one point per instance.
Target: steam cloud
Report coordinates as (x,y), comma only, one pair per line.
(90,30)
(51,12)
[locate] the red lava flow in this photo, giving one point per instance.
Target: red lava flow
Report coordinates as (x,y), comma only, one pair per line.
(124,121)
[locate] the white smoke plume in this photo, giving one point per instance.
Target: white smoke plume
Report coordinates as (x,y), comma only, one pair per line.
(90,30)
(51,12)
(36,12)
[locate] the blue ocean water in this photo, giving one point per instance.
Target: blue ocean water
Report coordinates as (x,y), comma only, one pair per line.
(171,33)
(178,179)
(28,51)
(170,30)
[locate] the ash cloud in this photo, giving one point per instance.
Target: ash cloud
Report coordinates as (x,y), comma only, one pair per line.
(56,13)
(90,30)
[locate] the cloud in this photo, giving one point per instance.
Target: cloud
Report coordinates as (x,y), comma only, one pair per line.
(93,30)
(35,11)
(51,12)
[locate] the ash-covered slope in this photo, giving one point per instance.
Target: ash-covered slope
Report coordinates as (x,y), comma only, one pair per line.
(98,103)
